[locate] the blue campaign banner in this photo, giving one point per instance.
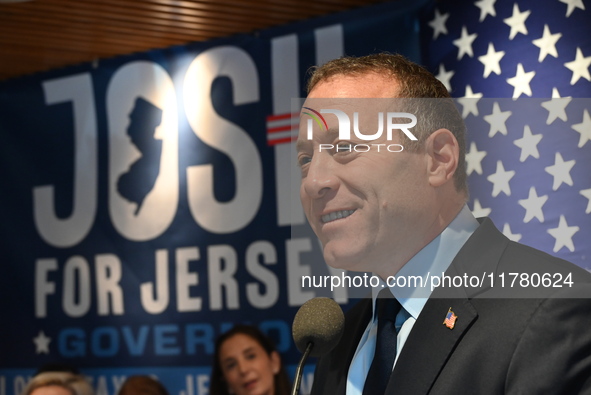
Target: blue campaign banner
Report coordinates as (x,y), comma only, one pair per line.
(148,201)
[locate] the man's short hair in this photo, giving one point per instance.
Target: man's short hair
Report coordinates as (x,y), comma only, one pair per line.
(414,81)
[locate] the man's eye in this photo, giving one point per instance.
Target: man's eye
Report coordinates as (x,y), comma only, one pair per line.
(344,146)
(303,160)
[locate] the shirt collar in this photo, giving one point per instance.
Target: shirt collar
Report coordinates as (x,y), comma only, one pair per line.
(432,260)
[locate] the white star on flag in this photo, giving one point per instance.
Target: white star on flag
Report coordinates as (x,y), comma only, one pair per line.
(517,21)
(510,235)
(528,144)
(464,43)
(547,44)
(497,120)
(438,24)
(469,102)
(563,235)
(571,5)
(491,61)
(584,128)
(521,81)
(556,107)
(587,194)
(500,180)
(560,170)
(445,76)
(487,7)
(533,205)
(579,67)
(478,211)
(474,159)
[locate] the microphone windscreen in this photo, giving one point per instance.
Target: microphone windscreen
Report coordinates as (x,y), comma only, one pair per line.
(320,321)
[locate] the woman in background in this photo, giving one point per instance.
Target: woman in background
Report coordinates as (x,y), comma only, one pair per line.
(246,363)
(58,383)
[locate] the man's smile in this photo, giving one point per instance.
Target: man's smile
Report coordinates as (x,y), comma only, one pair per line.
(336,215)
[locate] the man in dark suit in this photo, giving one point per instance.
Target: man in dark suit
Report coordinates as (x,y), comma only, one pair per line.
(403,213)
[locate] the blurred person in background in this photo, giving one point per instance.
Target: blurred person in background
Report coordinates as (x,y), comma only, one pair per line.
(58,383)
(142,385)
(247,363)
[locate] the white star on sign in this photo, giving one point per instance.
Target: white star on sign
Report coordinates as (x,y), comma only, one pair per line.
(556,107)
(464,43)
(474,159)
(445,76)
(533,206)
(547,43)
(500,180)
(511,236)
(521,81)
(563,235)
(584,128)
(517,21)
(42,343)
(528,144)
(487,7)
(497,120)
(478,211)
(438,24)
(491,61)
(560,170)
(579,67)
(469,102)
(587,194)
(571,5)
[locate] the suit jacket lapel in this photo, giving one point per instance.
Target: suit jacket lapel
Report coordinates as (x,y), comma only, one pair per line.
(430,343)
(356,321)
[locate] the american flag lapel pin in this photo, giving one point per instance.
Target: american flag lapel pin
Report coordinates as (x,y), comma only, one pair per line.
(450,319)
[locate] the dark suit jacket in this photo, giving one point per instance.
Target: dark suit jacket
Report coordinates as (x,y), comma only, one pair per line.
(505,341)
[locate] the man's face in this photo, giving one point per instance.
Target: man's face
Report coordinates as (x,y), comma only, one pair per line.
(371,210)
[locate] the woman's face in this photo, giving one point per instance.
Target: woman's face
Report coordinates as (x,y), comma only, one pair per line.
(247,367)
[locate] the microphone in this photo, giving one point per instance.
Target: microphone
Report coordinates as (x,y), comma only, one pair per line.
(317,328)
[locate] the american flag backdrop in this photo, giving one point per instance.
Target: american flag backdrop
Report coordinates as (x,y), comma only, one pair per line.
(521,73)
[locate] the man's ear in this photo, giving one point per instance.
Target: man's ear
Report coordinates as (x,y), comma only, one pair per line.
(443,153)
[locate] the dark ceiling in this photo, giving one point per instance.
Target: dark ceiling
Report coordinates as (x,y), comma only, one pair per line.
(40,35)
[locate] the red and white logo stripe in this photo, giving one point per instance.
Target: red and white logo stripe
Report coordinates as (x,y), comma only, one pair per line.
(282,128)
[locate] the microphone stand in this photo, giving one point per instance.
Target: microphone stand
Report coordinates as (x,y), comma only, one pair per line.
(298,376)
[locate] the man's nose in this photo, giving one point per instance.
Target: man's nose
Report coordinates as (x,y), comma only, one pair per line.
(321,177)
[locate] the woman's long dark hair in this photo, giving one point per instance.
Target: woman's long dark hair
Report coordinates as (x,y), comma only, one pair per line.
(217,384)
